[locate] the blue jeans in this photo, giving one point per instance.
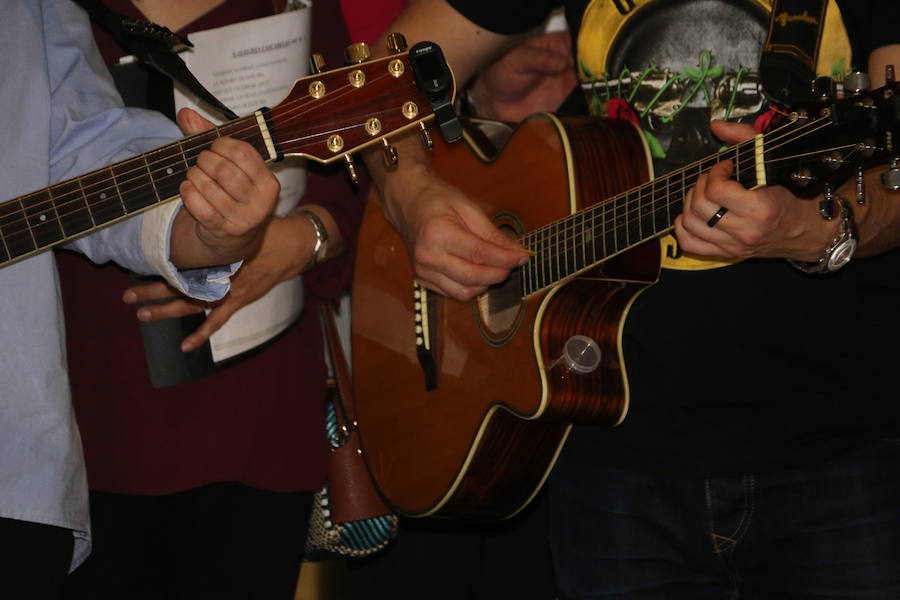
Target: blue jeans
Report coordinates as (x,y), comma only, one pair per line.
(831,530)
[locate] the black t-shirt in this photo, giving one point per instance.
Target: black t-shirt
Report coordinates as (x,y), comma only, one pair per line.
(745,367)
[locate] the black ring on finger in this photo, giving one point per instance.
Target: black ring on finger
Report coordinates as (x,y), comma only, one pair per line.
(717,217)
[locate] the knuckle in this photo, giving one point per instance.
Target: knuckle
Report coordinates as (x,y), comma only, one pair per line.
(270,184)
(223,171)
(430,231)
(421,256)
(245,152)
(206,159)
(696,212)
(478,254)
(468,279)
(748,239)
(205,188)
(716,189)
(769,217)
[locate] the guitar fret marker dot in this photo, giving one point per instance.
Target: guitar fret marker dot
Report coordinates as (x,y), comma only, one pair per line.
(42,217)
(103,195)
(169,171)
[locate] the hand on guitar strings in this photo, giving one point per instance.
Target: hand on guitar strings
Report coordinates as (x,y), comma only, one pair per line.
(228,197)
(285,250)
(454,247)
(765,222)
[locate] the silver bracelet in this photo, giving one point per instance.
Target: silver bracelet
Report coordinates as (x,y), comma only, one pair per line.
(320,249)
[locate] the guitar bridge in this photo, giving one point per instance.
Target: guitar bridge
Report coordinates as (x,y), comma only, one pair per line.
(423,329)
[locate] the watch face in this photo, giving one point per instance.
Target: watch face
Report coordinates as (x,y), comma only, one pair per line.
(841,254)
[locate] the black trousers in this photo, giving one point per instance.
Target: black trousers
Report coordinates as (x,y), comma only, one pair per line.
(222,541)
(458,560)
(34,559)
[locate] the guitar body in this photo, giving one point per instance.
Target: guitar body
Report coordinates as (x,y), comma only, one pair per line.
(483,440)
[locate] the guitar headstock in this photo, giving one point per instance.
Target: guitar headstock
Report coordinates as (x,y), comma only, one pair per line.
(329,115)
(827,142)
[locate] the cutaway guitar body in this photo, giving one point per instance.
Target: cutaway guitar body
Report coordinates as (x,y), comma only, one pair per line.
(480,442)
(463,407)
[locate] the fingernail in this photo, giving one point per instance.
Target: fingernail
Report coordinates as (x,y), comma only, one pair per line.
(130,297)
(186,346)
(524,260)
(143,314)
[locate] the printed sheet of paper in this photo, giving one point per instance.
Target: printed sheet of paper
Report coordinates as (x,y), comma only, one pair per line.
(249,65)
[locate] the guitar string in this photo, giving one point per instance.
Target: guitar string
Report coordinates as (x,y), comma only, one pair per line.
(603,208)
(789,134)
(779,136)
(619,222)
(184,149)
(698,164)
(546,268)
(633,204)
(293,112)
(55,203)
(187,151)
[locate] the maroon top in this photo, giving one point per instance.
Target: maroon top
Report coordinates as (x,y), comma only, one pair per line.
(259,422)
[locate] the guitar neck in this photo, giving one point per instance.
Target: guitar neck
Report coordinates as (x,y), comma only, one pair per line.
(59,213)
(590,236)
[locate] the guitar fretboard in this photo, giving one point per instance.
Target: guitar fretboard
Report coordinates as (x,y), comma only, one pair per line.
(590,236)
(61,212)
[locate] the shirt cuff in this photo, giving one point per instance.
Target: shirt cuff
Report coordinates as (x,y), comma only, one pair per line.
(203,284)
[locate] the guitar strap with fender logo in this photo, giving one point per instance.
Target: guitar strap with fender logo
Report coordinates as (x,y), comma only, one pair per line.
(788,63)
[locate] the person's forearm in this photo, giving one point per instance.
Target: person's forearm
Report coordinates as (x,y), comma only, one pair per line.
(301,227)
(188,251)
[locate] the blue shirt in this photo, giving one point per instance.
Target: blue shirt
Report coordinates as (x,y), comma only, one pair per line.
(60,117)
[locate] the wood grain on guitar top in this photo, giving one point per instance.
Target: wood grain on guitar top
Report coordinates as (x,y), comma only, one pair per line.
(482,442)
(480,439)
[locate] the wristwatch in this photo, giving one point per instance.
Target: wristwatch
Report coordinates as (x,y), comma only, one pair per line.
(840,250)
(321,247)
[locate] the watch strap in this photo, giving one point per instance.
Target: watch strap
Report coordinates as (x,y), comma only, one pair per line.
(839,250)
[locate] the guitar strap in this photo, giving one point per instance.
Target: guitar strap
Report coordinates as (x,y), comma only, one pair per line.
(155,46)
(788,63)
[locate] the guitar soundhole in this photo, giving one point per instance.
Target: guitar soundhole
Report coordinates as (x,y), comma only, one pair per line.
(499,309)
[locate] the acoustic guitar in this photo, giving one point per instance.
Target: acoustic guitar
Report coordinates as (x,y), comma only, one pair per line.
(325,117)
(463,407)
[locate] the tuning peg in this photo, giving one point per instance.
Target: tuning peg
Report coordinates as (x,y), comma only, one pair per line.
(803,177)
(860,186)
(351,168)
(856,83)
(396,43)
(826,204)
(390,153)
(316,63)
(357,53)
(426,137)
(823,88)
(890,179)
